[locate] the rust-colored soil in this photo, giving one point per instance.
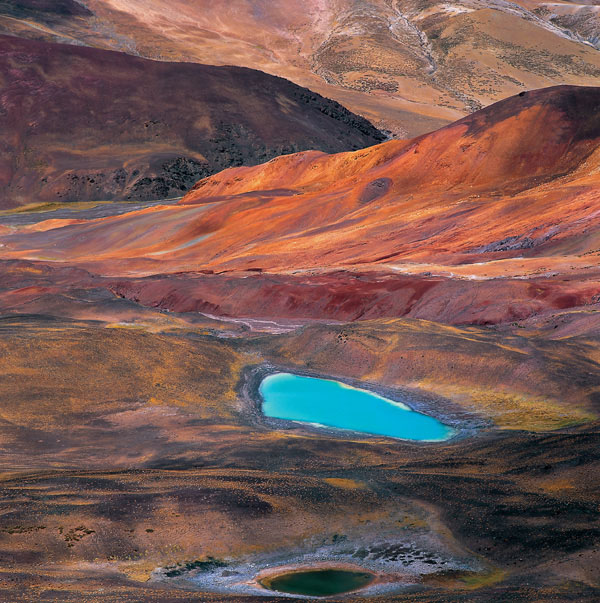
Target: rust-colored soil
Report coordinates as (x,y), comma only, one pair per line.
(489,220)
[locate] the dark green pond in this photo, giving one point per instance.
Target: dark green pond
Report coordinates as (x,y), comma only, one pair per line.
(318,582)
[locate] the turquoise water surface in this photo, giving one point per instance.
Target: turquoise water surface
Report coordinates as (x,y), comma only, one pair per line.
(334,404)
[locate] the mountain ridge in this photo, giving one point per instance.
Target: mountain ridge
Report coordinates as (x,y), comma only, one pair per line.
(517,145)
(407,66)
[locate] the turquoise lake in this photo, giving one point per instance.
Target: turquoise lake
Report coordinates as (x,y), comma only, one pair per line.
(333,404)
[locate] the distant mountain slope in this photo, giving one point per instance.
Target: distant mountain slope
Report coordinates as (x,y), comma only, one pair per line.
(85,124)
(406,65)
(581,18)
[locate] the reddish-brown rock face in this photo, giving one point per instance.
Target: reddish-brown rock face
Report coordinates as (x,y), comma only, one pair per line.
(85,124)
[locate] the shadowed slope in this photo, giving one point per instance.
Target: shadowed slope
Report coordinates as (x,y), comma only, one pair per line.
(48,8)
(85,124)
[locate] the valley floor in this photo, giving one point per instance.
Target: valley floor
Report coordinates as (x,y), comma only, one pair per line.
(127,447)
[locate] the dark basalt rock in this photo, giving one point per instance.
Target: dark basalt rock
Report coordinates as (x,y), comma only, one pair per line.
(375,189)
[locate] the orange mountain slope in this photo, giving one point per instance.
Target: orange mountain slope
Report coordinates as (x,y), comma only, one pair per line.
(519,178)
(505,201)
(407,65)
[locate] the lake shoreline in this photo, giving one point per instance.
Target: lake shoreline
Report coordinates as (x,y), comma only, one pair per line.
(463,423)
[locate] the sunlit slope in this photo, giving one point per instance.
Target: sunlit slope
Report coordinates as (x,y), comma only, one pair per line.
(516,180)
(489,220)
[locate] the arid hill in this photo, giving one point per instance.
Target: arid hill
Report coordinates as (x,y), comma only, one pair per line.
(418,200)
(406,65)
(84,124)
(500,208)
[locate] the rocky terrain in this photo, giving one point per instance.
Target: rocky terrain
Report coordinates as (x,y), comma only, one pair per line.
(579,18)
(205,491)
(175,225)
(312,235)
